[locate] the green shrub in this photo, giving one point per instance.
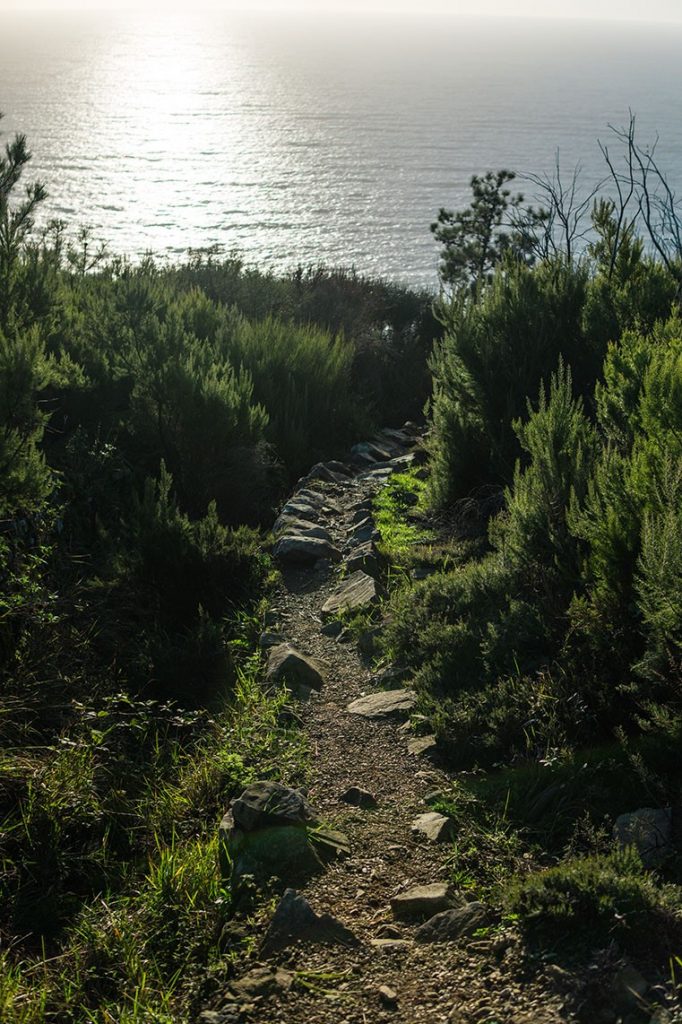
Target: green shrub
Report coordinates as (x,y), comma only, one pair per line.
(496,352)
(598,899)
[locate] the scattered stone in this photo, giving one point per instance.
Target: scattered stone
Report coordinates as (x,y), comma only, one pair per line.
(270,803)
(302,550)
(650,830)
(357,591)
(630,986)
(365,557)
(332,628)
(295,509)
(324,471)
(364,533)
(294,919)
(285,852)
(288,666)
(421,745)
(388,996)
(450,925)
(391,677)
(330,844)
(391,945)
(389,931)
(357,797)
(269,639)
(228,1015)
(263,982)
(315,498)
(384,704)
(436,796)
(300,528)
(422,900)
(436,827)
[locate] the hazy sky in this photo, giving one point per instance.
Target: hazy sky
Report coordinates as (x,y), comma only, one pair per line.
(647,10)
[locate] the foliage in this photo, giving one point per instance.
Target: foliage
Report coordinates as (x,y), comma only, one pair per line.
(494,225)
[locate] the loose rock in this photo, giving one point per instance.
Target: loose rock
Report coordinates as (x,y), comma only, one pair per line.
(436,827)
(422,900)
(294,919)
(357,797)
(262,982)
(384,704)
(450,925)
(388,996)
(288,666)
(302,550)
(270,803)
(421,745)
(357,591)
(649,830)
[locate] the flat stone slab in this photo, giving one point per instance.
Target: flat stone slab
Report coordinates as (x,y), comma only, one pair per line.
(357,591)
(421,745)
(299,549)
(288,666)
(300,528)
(384,704)
(437,828)
(391,945)
(450,925)
(422,900)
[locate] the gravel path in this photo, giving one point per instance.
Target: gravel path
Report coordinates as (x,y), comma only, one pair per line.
(485,979)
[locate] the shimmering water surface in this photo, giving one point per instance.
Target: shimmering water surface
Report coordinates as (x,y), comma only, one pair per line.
(328,141)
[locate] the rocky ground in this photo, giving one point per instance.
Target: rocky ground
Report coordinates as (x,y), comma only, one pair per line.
(385,956)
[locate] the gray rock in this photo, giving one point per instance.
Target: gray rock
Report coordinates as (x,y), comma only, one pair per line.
(324,471)
(269,639)
(300,510)
(650,830)
(436,827)
(357,591)
(263,983)
(315,498)
(228,1015)
(285,852)
(422,900)
(450,925)
(302,550)
(364,533)
(332,628)
(391,945)
(388,996)
(384,704)
(287,666)
(366,558)
(300,528)
(421,745)
(270,803)
(629,987)
(295,920)
(357,797)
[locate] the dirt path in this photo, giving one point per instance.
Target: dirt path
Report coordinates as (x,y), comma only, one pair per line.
(481,979)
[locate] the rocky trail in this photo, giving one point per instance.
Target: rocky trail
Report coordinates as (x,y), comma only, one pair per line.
(377,935)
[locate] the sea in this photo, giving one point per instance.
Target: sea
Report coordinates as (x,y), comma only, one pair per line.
(306,140)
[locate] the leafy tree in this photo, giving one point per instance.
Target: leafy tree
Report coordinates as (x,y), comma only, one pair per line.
(496,224)
(16,217)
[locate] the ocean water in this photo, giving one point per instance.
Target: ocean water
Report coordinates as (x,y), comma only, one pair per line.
(297,140)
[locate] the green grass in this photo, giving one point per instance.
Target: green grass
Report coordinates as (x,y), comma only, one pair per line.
(110,852)
(404,494)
